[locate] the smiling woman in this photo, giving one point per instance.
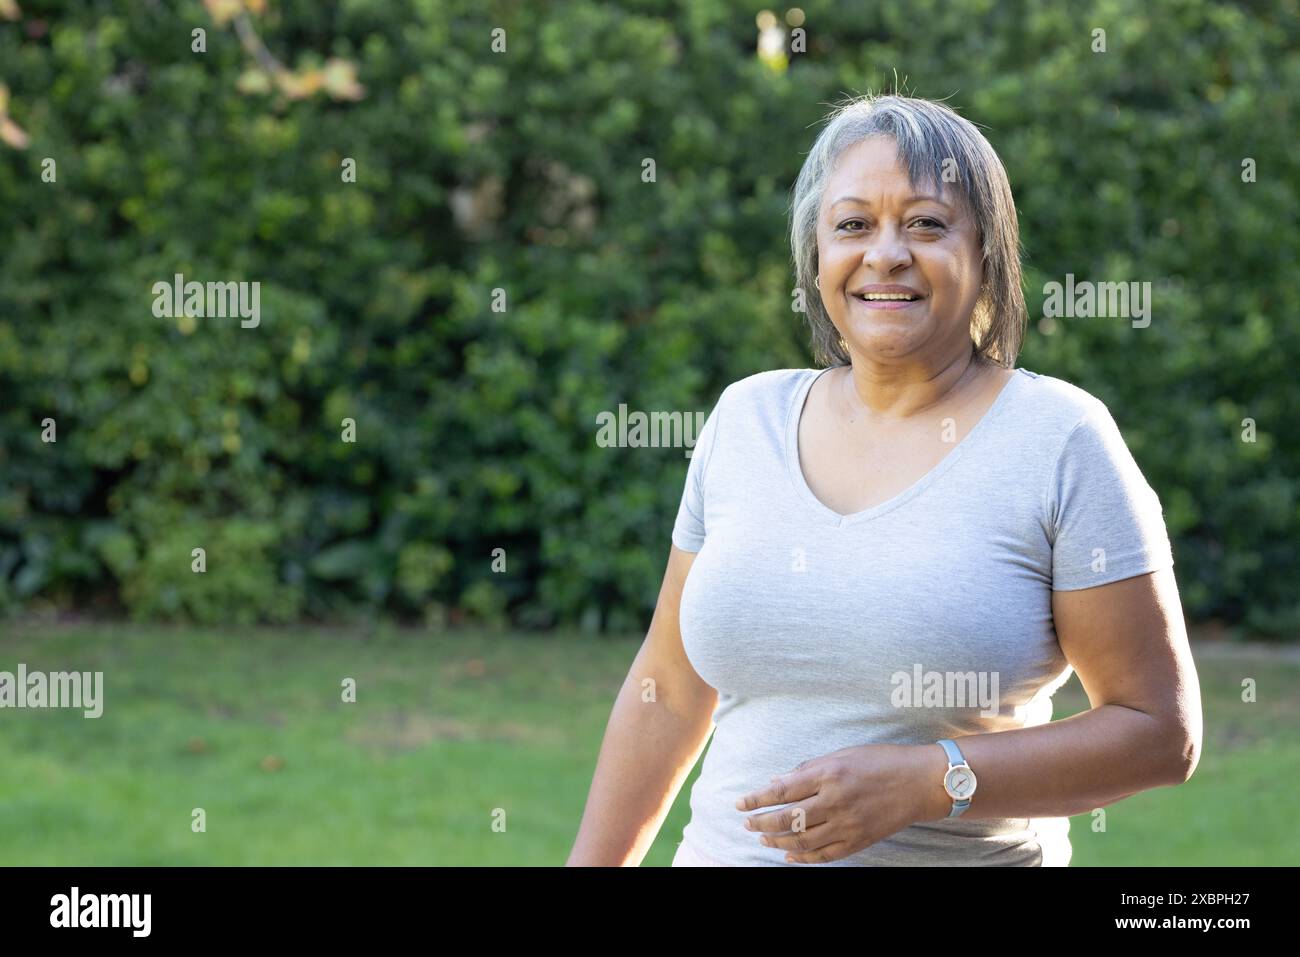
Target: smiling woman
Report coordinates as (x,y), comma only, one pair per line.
(919,506)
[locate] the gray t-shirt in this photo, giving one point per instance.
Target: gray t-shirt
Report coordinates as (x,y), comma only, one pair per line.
(823,631)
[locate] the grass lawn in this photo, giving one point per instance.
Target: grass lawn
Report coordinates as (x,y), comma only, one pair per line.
(250,727)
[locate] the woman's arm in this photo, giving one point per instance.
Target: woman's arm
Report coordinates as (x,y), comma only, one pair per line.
(654,736)
(1128,643)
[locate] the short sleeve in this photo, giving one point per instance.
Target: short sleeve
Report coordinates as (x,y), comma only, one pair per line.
(689,530)
(1105,520)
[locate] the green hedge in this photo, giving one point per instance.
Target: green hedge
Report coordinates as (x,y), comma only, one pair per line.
(522,171)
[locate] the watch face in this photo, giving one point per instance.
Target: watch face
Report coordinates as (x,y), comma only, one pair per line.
(960,783)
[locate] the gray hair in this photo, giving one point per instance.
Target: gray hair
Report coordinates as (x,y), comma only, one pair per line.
(930,138)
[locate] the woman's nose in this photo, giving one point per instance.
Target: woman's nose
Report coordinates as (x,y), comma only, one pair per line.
(886,251)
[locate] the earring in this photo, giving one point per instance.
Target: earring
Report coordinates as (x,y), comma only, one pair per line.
(817,281)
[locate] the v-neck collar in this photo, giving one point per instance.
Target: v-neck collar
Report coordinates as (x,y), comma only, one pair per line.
(831,517)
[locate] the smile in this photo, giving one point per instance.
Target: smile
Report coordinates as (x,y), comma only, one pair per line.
(878,300)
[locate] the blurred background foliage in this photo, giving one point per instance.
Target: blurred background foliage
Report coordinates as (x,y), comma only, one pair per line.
(522,170)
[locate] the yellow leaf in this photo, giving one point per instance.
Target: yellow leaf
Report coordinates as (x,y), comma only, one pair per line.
(290,84)
(9,10)
(309,81)
(223,11)
(341,80)
(253,80)
(12,134)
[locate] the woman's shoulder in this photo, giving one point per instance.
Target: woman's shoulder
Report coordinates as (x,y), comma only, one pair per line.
(1058,404)
(769,389)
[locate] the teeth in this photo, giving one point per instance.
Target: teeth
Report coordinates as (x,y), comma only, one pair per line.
(887,296)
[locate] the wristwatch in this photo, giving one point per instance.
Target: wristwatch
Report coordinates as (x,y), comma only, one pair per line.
(958,780)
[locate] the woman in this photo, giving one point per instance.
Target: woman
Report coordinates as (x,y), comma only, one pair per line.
(883,569)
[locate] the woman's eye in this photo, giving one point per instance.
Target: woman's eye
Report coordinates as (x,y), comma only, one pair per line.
(932,223)
(849,222)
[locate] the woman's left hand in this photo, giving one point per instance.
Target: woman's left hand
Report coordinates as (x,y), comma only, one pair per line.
(841,802)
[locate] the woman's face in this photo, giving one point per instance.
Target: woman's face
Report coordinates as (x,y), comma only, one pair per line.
(874,229)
